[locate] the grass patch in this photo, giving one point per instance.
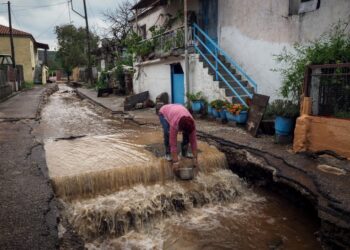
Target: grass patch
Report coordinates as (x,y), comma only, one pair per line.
(28,85)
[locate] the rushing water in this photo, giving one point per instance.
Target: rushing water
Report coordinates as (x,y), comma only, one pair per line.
(117,194)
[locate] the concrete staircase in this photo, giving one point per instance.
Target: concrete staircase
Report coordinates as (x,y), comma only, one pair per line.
(228,92)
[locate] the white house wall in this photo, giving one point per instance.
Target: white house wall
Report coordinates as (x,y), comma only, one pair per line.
(155,77)
(255,30)
(200,80)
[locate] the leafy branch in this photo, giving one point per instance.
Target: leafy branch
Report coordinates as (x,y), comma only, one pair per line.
(332,47)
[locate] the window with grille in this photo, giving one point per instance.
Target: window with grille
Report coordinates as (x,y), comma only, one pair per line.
(302,6)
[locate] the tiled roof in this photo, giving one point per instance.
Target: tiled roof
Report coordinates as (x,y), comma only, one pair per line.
(4,30)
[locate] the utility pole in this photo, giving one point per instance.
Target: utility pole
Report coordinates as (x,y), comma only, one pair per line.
(85,16)
(187,67)
(11,36)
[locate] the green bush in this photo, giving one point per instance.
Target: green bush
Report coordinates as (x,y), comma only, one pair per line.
(332,47)
(284,108)
(218,104)
(198,96)
(28,85)
(102,82)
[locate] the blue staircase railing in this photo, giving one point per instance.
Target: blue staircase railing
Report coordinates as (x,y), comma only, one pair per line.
(216,54)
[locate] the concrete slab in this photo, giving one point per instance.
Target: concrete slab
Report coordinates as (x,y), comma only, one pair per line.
(22,106)
(112,102)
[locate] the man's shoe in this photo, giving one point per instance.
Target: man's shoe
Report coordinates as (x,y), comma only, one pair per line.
(168,157)
(189,155)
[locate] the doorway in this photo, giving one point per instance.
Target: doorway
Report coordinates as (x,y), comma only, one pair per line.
(177,84)
(209,20)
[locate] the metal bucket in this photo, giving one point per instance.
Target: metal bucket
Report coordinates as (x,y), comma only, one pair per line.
(186,173)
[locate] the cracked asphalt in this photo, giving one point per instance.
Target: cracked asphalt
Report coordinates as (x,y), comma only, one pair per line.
(28,212)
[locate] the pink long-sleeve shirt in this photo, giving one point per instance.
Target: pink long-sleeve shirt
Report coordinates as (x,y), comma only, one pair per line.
(173,113)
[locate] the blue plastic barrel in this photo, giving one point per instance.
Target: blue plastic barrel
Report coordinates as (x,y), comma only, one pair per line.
(283,125)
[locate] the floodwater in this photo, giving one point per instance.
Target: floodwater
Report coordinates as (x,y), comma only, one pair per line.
(117,193)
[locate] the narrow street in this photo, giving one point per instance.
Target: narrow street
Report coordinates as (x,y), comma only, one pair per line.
(95,209)
(170,125)
(27,211)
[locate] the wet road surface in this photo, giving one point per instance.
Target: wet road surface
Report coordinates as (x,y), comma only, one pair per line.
(27,209)
(215,211)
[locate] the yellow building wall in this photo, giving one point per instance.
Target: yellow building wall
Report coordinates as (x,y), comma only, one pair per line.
(25,54)
(314,133)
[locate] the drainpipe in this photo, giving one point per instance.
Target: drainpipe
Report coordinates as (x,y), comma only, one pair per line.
(187,76)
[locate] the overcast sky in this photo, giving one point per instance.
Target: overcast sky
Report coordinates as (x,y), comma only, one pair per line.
(39,17)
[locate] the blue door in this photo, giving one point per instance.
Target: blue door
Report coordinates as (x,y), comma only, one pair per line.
(209,20)
(177,84)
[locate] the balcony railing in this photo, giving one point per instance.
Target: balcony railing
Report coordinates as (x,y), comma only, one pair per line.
(171,42)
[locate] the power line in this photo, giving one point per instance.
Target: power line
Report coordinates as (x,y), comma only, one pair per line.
(40,6)
(52,24)
(36,7)
(16,20)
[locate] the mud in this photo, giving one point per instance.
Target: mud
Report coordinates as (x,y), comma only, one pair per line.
(313,184)
(144,210)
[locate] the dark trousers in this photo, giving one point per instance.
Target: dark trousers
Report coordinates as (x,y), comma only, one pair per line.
(166,133)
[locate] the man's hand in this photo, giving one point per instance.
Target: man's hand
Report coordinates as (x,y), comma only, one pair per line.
(195,166)
(195,162)
(175,166)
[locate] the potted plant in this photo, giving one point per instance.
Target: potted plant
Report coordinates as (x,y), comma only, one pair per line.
(285,112)
(237,112)
(197,101)
(218,108)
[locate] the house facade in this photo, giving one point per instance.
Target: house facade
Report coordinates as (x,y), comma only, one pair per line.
(26,50)
(231,44)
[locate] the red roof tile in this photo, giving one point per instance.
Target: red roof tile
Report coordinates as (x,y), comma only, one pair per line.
(4,30)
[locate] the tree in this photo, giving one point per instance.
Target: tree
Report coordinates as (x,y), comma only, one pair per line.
(332,47)
(119,19)
(72,46)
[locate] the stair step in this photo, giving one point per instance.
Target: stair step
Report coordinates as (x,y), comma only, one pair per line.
(227,76)
(239,91)
(222,84)
(211,58)
(221,70)
(227,65)
(234,99)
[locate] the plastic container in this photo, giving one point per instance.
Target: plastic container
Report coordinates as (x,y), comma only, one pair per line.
(230,117)
(283,125)
(223,114)
(210,110)
(242,117)
(215,113)
(197,106)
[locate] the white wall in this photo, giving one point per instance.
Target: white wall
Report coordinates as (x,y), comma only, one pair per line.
(255,30)
(155,77)
(158,16)
(200,80)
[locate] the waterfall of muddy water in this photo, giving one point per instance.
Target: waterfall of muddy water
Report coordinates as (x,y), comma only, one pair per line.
(214,211)
(95,165)
(141,206)
(118,193)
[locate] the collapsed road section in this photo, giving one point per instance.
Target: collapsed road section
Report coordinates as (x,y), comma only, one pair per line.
(315,183)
